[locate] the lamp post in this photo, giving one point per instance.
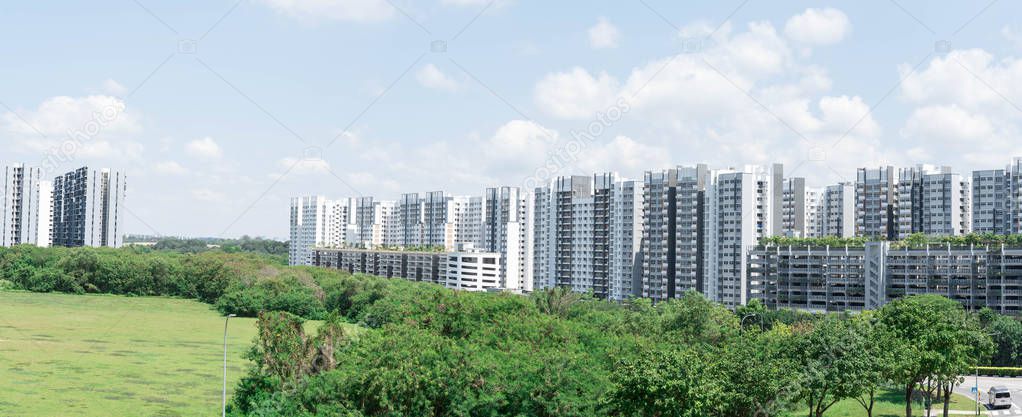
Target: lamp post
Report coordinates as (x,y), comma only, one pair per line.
(224,404)
(977,376)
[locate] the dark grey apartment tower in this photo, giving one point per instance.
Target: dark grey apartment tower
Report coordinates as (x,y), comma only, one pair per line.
(87,208)
(876,202)
(673,232)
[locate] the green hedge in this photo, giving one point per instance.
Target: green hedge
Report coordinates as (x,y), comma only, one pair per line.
(999,371)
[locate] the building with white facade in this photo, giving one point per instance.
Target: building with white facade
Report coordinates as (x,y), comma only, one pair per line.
(990,202)
(24,201)
(503,231)
(799,209)
(933,201)
(317,222)
(836,213)
(87,208)
(470,269)
(739,213)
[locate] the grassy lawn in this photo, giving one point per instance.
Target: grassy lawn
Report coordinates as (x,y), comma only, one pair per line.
(95,355)
(891,404)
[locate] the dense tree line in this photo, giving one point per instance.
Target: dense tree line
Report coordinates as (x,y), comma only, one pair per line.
(429,351)
(246,244)
(238,283)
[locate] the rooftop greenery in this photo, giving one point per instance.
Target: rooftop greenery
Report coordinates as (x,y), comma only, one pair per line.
(916,240)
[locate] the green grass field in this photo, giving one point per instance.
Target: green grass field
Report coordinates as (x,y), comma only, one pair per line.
(95,355)
(890,404)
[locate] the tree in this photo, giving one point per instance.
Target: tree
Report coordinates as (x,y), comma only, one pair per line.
(938,341)
(672,383)
(882,355)
(832,359)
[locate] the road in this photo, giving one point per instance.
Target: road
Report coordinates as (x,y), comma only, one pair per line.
(985,382)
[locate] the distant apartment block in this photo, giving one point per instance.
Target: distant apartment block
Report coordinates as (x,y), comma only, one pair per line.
(673,246)
(876,203)
(319,222)
(466,269)
(836,214)
(87,208)
(933,201)
(24,200)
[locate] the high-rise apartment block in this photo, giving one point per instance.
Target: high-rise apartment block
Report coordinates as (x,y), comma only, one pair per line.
(87,208)
(24,199)
(689,228)
(876,203)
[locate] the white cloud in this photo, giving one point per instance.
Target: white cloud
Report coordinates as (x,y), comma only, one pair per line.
(575,94)
(63,115)
(603,35)
(205,148)
(430,76)
(339,10)
(114,88)
(818,26)
(476,3)
(947,122)
(304,165)
(208,195)
(169,168)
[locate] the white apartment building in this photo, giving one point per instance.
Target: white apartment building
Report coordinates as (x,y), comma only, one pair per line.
(739,212)
(836,216)
(799,209)
(470,269)
(25,205)
(625,211)
(87,206)
(503,231)
(876,203)
(378,223)
(997,200)
(317,222)
(933,201)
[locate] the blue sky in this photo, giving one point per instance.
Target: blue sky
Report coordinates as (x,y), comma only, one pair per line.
(220,110)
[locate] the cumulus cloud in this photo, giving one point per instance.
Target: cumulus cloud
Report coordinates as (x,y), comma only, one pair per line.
(205,148)
(339,10)
(430,76)
(169,168)
(603,35)
(965,104)
(575,94)
(818,26)
(63,115)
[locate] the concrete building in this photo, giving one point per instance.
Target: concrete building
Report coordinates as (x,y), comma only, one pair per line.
(26,211)
(933,201)
(466,269)
(876,203)
(857,278)
(317,222)
(87,205)
(673,232)
(739,212)
(378,223)
(836,216)
(990,203)
(799,209)
(576,220)
(503,231)
(470,269)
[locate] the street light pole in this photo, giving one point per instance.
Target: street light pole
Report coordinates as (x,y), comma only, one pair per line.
(224,404)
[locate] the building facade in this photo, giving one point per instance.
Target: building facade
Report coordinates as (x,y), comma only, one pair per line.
(24,201)
(87,208)
(876,203)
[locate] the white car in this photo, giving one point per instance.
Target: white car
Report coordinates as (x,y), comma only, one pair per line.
(999,397)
